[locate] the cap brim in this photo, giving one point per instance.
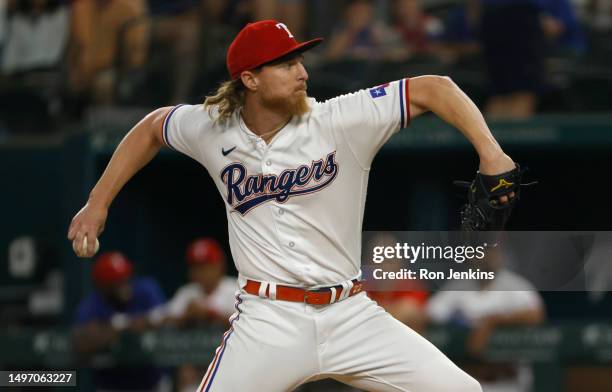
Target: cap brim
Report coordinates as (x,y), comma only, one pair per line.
(304,46)
(301,48)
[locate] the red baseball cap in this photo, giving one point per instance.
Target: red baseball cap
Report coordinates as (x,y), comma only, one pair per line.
(261,42)
(111,267)
(205,251)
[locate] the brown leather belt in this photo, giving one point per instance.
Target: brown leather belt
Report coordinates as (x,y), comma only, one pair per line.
(320,296)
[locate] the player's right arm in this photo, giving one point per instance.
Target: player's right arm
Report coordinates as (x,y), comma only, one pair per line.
(136,149)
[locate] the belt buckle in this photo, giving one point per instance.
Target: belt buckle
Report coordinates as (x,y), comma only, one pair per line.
(357,287)
(315,302)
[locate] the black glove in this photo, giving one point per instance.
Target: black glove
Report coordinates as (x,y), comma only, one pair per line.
(483,210)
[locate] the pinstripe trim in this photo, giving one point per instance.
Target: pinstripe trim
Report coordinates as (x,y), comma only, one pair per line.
(214,366)
(407,100)
(401,96)
(165,126)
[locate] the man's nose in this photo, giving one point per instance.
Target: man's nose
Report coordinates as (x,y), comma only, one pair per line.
(302,73)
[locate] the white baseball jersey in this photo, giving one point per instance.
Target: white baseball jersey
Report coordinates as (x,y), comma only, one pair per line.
(295,206)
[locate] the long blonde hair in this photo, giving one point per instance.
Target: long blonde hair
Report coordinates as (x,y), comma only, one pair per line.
(227,99)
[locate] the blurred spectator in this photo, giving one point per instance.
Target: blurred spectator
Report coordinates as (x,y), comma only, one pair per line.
(110,43)
(237,13)
(361,37)
(459,38)
(36,36)
(208,299)
(224,18)
(176,29)
(601,14)
(417,29)
(561,27)
(293,13)
(290,12)
(516,37)
(512,42)
(3,23)
(119,303)
(483,306)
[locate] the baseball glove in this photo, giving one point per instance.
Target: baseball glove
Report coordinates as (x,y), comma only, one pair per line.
(483,210)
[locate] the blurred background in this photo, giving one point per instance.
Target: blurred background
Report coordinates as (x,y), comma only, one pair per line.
(148,313)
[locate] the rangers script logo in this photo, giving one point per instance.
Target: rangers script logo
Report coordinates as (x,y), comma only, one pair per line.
(247,192)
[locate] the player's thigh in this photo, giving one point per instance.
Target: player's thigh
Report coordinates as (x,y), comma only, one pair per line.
(266,349)
(373,351)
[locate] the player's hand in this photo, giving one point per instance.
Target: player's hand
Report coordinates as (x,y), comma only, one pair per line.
(89,221)
(197,310)
(500,163)
(139,324)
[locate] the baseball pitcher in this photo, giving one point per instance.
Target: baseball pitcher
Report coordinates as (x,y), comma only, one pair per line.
(293,173)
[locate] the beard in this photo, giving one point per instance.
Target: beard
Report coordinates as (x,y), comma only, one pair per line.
(299,106)
(296,105)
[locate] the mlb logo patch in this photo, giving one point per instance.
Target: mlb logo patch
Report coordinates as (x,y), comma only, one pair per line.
(379,91)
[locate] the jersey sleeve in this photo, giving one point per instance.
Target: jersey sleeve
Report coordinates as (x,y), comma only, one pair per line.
(368,118)
(181,129)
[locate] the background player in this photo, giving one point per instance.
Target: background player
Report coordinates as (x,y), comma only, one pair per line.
(483,306)
(293,173)
(209,297)
(119,303)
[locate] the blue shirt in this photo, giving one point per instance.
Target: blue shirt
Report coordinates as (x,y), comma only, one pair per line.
(573,36)
(146,295)
(562,10)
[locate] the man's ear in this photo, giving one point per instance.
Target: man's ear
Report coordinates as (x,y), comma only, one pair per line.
(249,80)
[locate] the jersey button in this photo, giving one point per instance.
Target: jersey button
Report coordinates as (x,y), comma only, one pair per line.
(268,163)
(291,244)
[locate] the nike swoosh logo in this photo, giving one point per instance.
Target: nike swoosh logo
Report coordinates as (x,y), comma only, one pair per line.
(225,152)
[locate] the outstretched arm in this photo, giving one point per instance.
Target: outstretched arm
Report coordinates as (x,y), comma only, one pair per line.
(440,95)
(136,149)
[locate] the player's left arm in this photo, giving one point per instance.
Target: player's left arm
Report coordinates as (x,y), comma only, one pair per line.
(533,316)
(480,335)
(440,95)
